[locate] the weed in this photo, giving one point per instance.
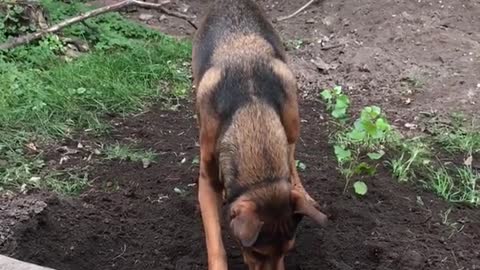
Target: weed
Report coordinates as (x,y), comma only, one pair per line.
(294,44)
(454,226)
(457,185)
(126,153)
(300,165)
(412,155)
(457,140)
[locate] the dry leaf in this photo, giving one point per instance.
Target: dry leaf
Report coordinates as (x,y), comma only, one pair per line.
(32,147)
(411,126)
(468,161)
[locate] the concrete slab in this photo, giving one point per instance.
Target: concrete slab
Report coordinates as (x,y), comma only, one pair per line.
(7,263)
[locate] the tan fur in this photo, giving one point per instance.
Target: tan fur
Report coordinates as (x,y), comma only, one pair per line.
(257,141)
(241,48)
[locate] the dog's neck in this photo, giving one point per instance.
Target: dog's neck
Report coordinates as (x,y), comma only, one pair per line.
(253,151)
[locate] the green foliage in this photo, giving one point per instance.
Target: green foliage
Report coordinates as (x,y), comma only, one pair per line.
(44,95)
(412,154)
(371,128)
(337,102)
(126,153)
(459,137)
(360,188)
(458,185)
(300,165)
(358,147)
(14,22)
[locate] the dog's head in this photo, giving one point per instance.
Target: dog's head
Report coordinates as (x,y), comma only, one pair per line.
(264,223)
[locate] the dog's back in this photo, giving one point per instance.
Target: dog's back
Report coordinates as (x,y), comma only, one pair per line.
(230,28)
(248,94)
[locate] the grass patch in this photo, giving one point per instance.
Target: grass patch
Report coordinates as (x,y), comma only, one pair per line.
(361,146)
(46,95)
(127,153)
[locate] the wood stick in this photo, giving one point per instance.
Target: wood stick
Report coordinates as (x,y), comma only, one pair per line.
(280,19)
(15,42)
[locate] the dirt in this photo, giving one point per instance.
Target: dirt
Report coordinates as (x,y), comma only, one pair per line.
(383,53)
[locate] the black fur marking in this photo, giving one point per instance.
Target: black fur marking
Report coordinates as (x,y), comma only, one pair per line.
(230,94)
(268,86)
(234,90)
(233,17)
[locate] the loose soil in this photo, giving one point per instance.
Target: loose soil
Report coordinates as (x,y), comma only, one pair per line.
(384,53)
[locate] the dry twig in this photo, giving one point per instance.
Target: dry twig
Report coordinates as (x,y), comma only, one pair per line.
(279,19)
(15,42)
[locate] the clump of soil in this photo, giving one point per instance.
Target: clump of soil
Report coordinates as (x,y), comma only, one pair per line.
(137,218)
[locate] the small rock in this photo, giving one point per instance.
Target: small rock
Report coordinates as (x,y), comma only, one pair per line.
(310,21)
(145,17)
(322,66)
(328,21)
(162,18)
(411,126)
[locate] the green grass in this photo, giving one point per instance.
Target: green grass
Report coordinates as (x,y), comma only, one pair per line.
(359,146)
(127,153)
(45,96)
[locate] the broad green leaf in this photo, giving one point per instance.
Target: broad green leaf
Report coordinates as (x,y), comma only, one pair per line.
(342,102)
(382,124)
(370,113)
(337,90)
(364,168)
(357,135)
(339,113)
(326,95)
(376,156)
(358,125)
(376,111)
(342,153)
(370,128)
(360,188)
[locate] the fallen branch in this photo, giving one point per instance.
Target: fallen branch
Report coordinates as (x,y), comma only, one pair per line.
(280,19)
(15,42)
(179,15)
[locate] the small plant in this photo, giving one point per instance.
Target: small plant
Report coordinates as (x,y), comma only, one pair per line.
(357,146)
(126,153)
(371,129)
(337,102)
(414,154)
(300,165)
(457,140)
(294,44)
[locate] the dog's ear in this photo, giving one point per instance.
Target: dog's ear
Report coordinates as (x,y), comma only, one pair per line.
(245,223)
(303,207)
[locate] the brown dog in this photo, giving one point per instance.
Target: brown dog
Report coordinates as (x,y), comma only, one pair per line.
(249,124)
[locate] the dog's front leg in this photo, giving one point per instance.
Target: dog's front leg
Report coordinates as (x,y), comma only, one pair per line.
(210,197)
(210,203)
